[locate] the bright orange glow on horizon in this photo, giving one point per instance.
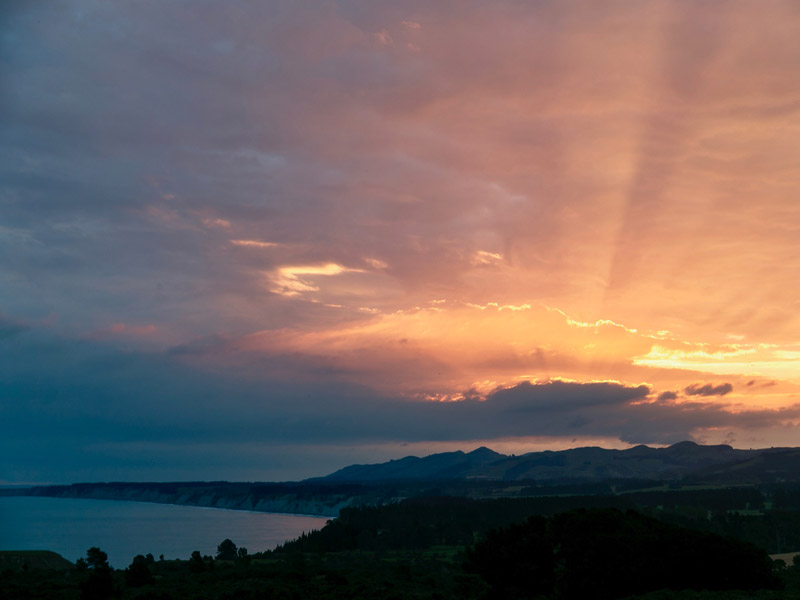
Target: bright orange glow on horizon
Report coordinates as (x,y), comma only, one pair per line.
(483,347)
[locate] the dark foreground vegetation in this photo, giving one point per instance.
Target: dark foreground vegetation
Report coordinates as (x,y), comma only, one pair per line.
(579,524)
(573,547)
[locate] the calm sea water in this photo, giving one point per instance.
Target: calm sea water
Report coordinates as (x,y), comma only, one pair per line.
(125,529)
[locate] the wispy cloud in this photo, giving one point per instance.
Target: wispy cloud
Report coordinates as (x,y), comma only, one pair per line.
(253,243)
(295,280)
(483,257)
(217,223)
(384,38)
(376,263)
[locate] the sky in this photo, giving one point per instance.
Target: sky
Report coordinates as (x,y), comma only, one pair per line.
(265,240)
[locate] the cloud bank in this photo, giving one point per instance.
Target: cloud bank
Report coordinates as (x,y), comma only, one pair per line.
(89,401)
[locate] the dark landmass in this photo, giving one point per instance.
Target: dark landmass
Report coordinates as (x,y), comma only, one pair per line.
(766,466)
(481,473)
(740,513)
(685,460)
(686,522)
(445,548)
(697,525)
(297,498)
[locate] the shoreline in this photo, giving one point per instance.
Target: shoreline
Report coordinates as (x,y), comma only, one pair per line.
(244,510)
(278,504)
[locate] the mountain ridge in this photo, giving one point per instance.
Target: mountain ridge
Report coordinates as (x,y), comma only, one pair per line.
(481,473)
(681,460)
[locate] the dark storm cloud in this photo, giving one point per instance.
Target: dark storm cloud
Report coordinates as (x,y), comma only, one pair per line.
(708,389)
(559,395)
(667,396)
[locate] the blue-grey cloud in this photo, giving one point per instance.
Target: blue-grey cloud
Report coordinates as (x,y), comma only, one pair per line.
(560,395)
(708,389)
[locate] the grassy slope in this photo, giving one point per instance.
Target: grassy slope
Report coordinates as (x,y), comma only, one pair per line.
(33,560)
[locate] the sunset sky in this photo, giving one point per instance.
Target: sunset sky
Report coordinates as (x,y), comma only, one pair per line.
(265,240)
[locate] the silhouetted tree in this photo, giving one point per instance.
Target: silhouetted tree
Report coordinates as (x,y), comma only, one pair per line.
(226,550)
(97,559)
(98,584)
(196,562)
(138,573)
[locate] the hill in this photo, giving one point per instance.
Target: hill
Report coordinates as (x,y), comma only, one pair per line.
(447,465)
(765,466)
(591,463)
(481,473)
(33,560)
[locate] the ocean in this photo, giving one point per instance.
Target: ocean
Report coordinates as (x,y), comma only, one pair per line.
(124,529)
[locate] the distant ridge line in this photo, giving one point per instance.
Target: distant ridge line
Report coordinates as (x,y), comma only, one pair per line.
(679,461)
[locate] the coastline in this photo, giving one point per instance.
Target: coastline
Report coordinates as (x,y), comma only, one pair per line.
(318,505)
